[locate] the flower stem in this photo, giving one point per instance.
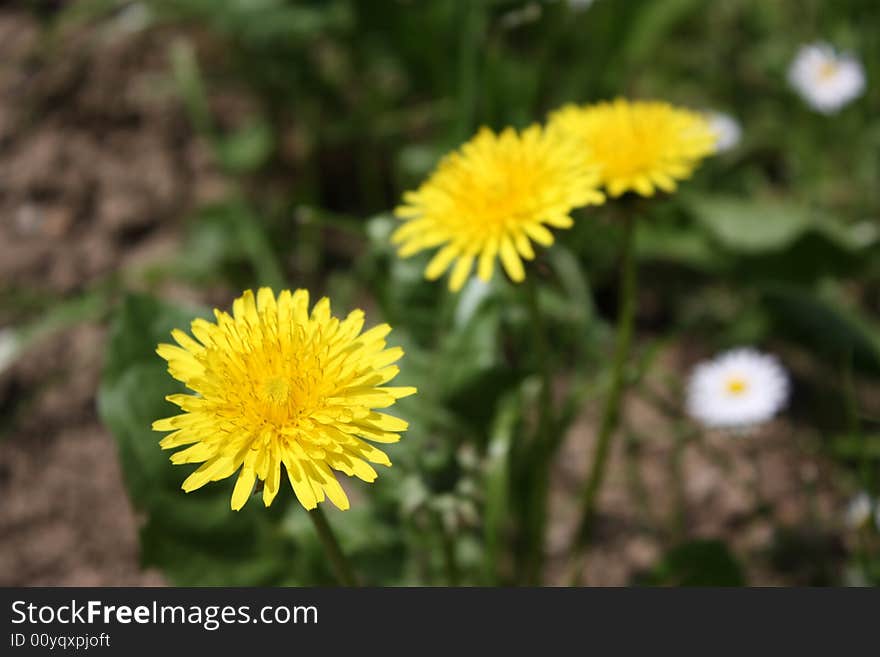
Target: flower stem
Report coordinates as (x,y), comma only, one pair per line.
(611,412)
(536,519)
(341,567)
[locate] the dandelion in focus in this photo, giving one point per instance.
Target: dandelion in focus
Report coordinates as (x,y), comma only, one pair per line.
(276,385)
(738,389)
(640,146)
(727,129)
(826,79)
(491,199)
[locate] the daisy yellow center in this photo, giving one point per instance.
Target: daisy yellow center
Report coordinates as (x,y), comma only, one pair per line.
(491,199)
(278,386)
(736,386)
(827,70)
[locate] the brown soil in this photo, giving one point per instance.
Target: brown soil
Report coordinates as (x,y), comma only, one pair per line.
(725,478)
(97,159)
(97,168)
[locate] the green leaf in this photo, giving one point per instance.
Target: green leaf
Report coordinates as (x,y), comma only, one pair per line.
(228,233)
(576,287)
(824,326)
(855,447)
(751,226)
(685,246)
(247,148)
(497,477)
(651,26)
(769,225)
(696,563)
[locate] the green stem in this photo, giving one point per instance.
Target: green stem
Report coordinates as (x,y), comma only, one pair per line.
(544,443)
(679,516)
(611,413)
(762,506)
(341,566)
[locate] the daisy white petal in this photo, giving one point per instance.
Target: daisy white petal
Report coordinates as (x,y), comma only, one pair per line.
(825,79)
(737,389)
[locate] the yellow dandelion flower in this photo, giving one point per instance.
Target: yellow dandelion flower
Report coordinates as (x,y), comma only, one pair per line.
(276,385)
(639,145)
(492,198)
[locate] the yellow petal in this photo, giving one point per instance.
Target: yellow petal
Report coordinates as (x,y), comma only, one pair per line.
(266,301)
(219,465)
(301,485)
(273,478)
(512,264)
(331,486)
(460,272)
(244,486)
(487,260)
(540,234)
(441,261)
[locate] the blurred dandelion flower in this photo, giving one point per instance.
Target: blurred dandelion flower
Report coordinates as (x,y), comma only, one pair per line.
(640,146)
(827,80)
(858,511)
(727,130)
(491,199)
(276,385)
(737,389)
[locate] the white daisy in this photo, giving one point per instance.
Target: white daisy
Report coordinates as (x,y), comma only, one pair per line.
(726,128)
(826,79)
(858,511)
(737,389)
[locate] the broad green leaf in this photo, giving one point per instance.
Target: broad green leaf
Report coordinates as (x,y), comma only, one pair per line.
(750,226)
(768,225)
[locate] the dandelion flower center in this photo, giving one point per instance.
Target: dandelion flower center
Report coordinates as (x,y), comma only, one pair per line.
(491,199)
(276,386)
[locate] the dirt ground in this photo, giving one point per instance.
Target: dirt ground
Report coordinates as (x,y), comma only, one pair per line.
(97,167)
(739,488)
